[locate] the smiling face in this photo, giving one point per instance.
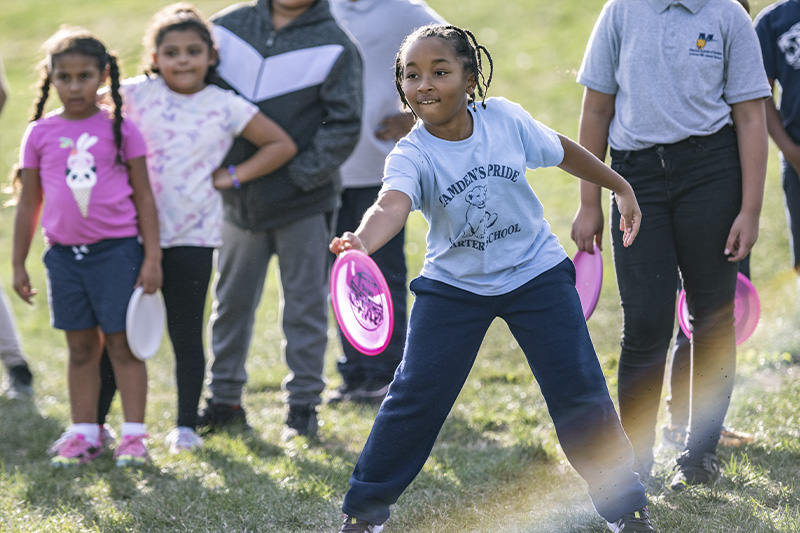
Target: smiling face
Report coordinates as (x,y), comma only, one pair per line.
(437,87)
(76,78)
(183,59)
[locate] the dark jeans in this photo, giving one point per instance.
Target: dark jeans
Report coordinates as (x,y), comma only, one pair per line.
(690,193)
(791,195)
(359,370)
(445,331)
(680,370)
(187,272)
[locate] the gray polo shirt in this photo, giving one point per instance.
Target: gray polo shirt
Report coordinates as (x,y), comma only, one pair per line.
(675,67)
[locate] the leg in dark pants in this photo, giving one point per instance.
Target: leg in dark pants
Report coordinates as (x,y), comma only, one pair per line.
(187,272)
(681,187)
(446,328)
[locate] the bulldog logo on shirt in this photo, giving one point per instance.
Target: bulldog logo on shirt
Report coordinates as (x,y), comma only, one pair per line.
(789,45)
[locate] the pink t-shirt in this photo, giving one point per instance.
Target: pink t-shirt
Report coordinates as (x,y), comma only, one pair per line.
(87,194)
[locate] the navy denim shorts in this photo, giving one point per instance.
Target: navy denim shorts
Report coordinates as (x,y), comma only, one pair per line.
(90,285)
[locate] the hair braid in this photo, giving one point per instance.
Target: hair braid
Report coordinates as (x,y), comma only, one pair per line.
(113,71)
(44,92)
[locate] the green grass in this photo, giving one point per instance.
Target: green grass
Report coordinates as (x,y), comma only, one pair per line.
(497,464)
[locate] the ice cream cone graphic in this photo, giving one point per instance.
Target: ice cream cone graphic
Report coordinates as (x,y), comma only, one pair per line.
(81,170)
(82,192)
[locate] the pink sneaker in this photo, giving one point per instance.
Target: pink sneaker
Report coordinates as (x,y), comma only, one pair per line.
(75,450)
(132,451)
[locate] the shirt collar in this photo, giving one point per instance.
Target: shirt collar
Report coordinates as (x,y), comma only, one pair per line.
(692,5)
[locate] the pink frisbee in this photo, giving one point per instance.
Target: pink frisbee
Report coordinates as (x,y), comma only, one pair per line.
(746,310)
(361,302)
(588,279)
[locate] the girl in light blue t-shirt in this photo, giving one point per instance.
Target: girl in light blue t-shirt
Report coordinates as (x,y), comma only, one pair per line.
(490,253)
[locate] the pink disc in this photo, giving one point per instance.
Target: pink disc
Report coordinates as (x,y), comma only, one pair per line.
(361,302)
(746,310)
(588,279)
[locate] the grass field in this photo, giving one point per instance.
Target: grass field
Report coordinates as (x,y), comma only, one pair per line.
(497,465)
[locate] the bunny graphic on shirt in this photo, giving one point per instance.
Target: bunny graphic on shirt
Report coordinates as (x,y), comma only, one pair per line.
(81,169)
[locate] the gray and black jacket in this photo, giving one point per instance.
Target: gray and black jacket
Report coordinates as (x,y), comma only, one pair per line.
(307,77)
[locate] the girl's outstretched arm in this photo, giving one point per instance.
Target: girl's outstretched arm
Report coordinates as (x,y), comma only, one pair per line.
(380,223)
(26,218)
(275,149)
(579,162)
(150,275)
(751,131)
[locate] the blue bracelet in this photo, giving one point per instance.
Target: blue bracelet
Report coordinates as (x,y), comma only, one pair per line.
(234,177)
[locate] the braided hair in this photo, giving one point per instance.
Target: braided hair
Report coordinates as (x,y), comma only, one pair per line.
(182,16)
(73,40)
(464,46)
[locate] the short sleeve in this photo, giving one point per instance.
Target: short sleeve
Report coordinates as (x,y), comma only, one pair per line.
(746,78)
(133,144)
(543,147)
(768,46)
(599,65)
(242,111)
(403,172)
(29,156)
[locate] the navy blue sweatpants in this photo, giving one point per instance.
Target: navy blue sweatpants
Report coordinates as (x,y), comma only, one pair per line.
(445,331)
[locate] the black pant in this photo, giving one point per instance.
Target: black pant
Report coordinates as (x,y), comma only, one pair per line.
(187,272)
(690,193)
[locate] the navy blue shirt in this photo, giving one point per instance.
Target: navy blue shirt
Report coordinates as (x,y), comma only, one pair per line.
(778,29)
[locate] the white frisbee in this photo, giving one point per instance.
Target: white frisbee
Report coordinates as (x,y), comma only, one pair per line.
(144,323)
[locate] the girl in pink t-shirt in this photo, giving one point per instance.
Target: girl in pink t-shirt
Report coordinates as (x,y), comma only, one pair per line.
(83,167)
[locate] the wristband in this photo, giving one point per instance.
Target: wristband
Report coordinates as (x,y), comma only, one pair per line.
(234,177)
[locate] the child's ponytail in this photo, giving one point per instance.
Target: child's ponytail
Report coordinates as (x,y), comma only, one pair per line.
(113,74)
(44,92)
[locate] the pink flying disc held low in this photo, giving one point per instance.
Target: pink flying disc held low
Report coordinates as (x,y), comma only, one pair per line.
(588,279)
(746,310)
(361,302)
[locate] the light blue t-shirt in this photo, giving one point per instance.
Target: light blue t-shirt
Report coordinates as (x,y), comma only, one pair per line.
(487,233)
(675,68)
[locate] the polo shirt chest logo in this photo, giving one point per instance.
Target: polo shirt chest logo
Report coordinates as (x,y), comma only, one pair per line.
(706,47)
(702,39)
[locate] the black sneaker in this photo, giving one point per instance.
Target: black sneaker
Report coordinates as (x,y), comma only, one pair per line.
(302,421)
(352,524)
(364,394)
(20,383)
(220,415)
(635,521)
(694,469)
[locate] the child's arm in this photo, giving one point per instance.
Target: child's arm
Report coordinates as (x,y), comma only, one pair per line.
(596,113)
(789,148)
(579,162)
(275,148)
(751,132)
(26,218)
(380,223)
(150,275)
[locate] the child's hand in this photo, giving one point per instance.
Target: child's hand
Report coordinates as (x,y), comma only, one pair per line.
(742,237)
(587,228)
(222,179)
(23,287)
(150,276)
(395,127)
(631,217)
(348,241)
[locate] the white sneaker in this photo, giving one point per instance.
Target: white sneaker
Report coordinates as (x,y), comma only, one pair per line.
(183,439)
